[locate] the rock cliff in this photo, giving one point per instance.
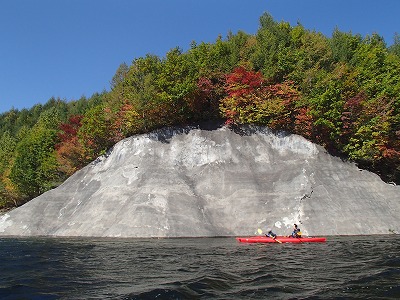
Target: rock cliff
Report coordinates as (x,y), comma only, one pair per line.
(192,182)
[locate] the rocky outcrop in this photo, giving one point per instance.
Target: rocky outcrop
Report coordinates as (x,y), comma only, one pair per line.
(193,182)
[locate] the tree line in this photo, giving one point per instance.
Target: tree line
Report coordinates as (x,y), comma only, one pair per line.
(342,92)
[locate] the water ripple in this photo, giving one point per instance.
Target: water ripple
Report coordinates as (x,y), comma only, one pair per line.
(220,268)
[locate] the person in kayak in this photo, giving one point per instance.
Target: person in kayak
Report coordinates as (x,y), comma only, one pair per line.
(270,234)
(296,232)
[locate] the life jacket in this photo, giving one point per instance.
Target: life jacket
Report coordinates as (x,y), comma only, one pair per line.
(296,233)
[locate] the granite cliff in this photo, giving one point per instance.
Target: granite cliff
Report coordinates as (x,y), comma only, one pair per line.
(190,182)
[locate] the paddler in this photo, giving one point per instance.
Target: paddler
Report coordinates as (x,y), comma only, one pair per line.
(296,232)
(270,234)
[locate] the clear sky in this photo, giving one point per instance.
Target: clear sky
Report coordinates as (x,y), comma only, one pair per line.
(71,48)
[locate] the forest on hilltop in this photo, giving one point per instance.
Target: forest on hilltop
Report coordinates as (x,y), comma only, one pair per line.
(342,92)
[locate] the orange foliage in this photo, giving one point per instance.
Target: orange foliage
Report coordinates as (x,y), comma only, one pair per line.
(70,153)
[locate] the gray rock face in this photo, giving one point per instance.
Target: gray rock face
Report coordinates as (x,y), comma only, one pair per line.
(192,183)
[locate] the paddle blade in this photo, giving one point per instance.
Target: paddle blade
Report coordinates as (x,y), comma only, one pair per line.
(259,231)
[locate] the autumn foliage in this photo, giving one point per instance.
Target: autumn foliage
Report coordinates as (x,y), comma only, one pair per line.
(251,99)
(341,92)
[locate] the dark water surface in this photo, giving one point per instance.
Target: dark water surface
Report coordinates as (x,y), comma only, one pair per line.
(361,267)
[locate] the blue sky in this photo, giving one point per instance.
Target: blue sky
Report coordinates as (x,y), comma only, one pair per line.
(71,48)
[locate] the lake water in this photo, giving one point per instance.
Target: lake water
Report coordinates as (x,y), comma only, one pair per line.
(360,267)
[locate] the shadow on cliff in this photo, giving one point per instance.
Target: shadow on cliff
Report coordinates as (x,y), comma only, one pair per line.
(164,134)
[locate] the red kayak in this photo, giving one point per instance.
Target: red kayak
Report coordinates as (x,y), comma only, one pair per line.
(280,239)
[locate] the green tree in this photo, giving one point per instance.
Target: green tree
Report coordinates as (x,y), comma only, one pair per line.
(8,121)
(273,44)
(35,167)
(140,89)
(242,47)
(326,102)
(344,45)
(95,132)
(176,84)
(50,119)
(7,147)
(395,48)
(119,75)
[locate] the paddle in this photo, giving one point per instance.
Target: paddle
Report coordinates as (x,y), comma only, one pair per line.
(260,232)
